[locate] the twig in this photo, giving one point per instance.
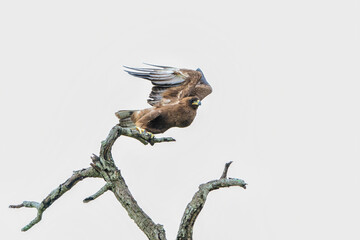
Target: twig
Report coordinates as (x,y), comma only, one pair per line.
(55,194)
(224,174)
(102,190)
(26,204)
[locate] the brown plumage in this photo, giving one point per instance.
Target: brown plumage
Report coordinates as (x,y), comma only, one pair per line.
(176,94)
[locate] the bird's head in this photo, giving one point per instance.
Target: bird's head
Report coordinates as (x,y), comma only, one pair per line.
(194,102)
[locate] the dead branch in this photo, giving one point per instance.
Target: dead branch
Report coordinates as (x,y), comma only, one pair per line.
(198,201)
(224,174)
(112,175)
(102,190)
(144,138)
(103,166)
(55,194)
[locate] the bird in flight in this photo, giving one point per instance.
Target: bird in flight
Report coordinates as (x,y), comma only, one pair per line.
(175,96)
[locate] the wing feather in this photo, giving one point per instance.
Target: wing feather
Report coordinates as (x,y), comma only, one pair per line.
(171,84)
(162,77)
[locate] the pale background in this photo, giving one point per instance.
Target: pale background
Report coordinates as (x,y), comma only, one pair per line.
(285,109)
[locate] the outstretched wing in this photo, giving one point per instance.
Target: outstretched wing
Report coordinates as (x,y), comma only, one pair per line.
(170,84)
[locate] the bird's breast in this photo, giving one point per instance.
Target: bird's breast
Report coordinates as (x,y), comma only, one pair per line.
(185,117)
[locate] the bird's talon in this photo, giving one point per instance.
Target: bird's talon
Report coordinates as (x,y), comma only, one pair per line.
(144,132)
(140,130)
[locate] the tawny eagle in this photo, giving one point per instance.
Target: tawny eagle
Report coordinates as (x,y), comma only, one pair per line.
(176,94)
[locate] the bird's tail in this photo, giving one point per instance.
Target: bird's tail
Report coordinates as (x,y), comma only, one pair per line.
(125,118)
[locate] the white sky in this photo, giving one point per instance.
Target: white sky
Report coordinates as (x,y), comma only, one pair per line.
(285,109)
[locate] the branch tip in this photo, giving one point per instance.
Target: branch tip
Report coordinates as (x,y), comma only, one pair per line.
(16,206)
(102,190)
(88,199)
(94,158)
(224,174)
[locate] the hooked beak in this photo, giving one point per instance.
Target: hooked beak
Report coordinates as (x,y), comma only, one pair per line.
(197,102)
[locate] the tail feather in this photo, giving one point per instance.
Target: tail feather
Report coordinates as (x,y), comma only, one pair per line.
(125,118)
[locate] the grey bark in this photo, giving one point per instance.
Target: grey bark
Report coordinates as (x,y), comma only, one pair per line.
(103,166)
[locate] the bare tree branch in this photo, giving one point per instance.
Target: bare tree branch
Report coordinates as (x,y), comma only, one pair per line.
(102,190)
(144,138)
(121,191)
(198,201)
(55,194)
(224,174)
(103,166)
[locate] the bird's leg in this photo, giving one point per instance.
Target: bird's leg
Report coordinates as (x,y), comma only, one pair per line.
(143,131)
(140,130)
(151,135)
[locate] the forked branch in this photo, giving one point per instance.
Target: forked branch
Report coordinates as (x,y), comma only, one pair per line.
(103,166)
(198,201)
(55,194)
(112,175)
(93,171)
